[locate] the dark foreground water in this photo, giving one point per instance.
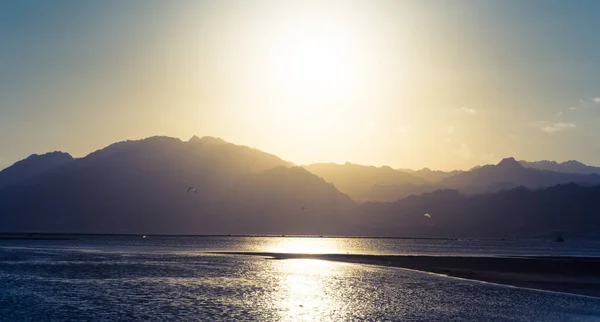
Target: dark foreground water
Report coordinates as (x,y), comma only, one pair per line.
(174,279)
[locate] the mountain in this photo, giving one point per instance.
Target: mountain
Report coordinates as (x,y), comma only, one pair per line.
(566,167)
(289,201)
(141,187)
(32,166)
(384,193)
(507,174)
(434,175)
(518,212)
(365,183)
(357,180)
(510,173)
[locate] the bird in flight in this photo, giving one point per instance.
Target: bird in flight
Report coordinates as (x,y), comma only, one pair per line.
(427,215)
(191,189)
(304,209)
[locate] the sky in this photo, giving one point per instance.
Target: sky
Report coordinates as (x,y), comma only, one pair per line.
(409,84)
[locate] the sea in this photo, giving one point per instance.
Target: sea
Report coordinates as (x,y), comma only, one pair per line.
(179,278)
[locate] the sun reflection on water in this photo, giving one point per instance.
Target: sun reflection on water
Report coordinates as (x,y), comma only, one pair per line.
(305,287)
(303,293)
(305,245)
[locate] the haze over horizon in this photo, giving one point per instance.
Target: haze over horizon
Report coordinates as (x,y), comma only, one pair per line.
(408,84)
(195,137)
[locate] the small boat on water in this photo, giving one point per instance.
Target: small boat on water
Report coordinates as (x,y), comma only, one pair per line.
(559,239)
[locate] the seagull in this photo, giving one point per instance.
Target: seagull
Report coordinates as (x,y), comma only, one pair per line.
(427,215)
(191,189)
(304,209)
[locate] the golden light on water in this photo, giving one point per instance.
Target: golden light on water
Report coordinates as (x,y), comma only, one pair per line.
(303,294)
(305,245)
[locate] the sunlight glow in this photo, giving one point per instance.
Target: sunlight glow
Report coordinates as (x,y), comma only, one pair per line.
(303,295)
(313,66)
(314,61)
(305,245)
(310,73)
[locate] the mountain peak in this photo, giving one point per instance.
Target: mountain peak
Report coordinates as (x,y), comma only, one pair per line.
(207,140)
(32,166)
(571,166)
(509,163)
(573,163)
(54,154)
(194,138)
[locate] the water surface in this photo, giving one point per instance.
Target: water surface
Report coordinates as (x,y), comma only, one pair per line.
(173,279)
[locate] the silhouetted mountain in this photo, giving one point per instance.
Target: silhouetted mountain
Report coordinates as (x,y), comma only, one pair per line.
(566,167)
(207,140)
(32,166)
(509,173)
(434,175)
(275,199)
(508,213)
(383,193)
(358,180)
(141,187)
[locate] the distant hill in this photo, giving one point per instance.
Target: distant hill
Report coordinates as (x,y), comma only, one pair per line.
(434,175)
(565,167)
(357,180)
(510,173)
(286,200)
(32,166)
(141,187)
(518,212)
(507,174)
(383,193)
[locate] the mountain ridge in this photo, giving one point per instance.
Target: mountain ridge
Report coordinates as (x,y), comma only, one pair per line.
(571,166)
(32,166)
(141,187)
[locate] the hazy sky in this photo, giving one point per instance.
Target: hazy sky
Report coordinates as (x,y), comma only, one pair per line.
(441,84)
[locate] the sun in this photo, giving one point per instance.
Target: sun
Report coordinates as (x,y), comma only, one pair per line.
(313,65)
(306,77)
(310,64)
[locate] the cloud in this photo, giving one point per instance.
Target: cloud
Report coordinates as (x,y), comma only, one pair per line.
(596,99)
(467,110)
(550,127)
(559,113)
(451,129)
(572,108)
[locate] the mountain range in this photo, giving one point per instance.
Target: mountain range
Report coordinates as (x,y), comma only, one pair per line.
(141,187)
(365,183)
(571,166)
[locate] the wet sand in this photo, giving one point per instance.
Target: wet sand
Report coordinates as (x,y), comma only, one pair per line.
(575,275)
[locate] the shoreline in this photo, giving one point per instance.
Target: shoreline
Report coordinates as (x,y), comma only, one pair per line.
(571,275)
(9,235)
